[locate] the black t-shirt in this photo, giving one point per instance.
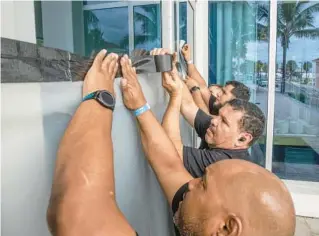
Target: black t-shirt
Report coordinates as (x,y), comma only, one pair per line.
(197,159)
(178,197)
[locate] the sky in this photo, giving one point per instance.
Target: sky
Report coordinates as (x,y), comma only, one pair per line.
(300,50)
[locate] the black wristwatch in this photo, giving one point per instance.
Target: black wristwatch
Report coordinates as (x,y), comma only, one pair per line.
(103,97)
(193,89)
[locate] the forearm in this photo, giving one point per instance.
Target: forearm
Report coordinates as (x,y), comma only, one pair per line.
(197,96)
(90,122)
(162,155)
(194,73)
(171,125)
(188,106)
(84,176)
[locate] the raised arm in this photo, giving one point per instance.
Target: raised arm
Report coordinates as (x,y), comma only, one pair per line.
(188,108)
(195,90)
(173,85)
(83,195)
(159,149)
(194,74)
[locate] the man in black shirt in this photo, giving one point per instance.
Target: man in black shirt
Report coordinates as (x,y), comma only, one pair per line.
(227,135)
(202,96)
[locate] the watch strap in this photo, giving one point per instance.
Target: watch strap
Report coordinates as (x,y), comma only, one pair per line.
(89,96)
(96,96)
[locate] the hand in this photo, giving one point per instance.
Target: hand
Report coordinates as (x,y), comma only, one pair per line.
(101,74)
(186,51)
(164,51)
(191,82)
(172,83)
(133,96)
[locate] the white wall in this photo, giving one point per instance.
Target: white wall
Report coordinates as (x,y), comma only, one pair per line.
(24,178)
(31,131)
(17,20)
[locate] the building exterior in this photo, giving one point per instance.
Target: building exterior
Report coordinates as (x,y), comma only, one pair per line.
(229,43)
(316,63)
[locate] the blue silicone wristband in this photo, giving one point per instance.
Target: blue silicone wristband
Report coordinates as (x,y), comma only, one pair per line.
(89,96)
(142,109)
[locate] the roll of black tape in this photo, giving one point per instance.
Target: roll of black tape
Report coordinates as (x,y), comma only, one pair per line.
(163,63)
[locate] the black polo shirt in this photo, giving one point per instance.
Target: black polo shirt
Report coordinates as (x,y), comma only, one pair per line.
(197,159)
(178,197)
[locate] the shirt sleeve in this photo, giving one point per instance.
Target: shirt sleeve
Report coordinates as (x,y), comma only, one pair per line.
(196,160)
(201,123)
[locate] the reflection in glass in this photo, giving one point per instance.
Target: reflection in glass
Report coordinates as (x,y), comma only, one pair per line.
(91,2)
(183,21)
(296,140)
(103,29)
(238,51)
(147,26)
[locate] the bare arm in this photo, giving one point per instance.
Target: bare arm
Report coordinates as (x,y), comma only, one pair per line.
(188,108)
(158,148)
(82,199)
(174,86)
(162,155)
(194,74)
(195,91)
(171,124)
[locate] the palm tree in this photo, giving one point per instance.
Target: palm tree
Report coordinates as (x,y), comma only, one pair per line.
(147,17)
(291,67)
(296,19)
(259,67)
(307,67)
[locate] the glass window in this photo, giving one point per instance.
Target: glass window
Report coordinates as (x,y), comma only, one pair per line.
(103,29)
(239,51)
(183,21)
(147,26)
(38,22)
(296,130)
(91,2)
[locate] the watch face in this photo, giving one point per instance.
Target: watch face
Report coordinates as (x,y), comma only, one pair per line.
(107,99)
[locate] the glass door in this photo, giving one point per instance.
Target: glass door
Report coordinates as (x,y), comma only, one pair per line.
(285,85)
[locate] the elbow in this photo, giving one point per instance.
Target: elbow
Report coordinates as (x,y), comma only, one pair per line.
(51,219)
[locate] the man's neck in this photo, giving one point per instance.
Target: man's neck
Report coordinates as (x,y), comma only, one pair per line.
(227,147)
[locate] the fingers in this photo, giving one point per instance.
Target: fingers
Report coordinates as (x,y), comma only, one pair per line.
(159,51)
(174,58)
(99,58)
(113,65)
(127,69)
(106,62)
(185,47)
(123,83)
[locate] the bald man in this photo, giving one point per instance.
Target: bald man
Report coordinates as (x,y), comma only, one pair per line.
(233,197)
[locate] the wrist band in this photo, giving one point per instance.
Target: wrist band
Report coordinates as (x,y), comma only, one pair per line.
(190,62)
(142,109)
(89,96)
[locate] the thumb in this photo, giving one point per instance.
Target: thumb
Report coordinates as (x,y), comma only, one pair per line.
(123,84)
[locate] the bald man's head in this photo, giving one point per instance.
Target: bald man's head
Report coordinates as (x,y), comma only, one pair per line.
(236,197)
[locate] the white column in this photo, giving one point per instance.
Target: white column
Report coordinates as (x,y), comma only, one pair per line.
(17,20)
(201,38)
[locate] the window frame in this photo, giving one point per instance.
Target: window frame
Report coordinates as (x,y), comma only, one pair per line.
(130,8)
